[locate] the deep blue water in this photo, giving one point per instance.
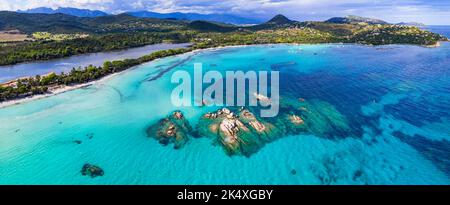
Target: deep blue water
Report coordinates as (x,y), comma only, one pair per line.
(443,30)
(384,119)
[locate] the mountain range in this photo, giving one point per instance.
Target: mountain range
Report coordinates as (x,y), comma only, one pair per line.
(63,23)
(411,24)
(218,18)
(224,18)
(65,10)
(127,22)
(355,19)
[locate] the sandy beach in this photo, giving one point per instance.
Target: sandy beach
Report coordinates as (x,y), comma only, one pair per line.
(54,92)
(73,87)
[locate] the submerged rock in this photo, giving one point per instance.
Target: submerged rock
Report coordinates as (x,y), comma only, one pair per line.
(173,129)
(314,116)
(293,172)
(90,135)
(77,141)
(91,170)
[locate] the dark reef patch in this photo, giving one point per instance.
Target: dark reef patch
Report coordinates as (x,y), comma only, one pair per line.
(91,170)
(357,174)
(77,141)
(416,113)
(437,151)
(160,74)
(328,173)
(294,172)
(337,90)
(90,135)
(285,66)
(114,89)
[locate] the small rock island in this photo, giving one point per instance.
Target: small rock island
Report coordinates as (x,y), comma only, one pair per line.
(240,132)
(172,129)
(91,170)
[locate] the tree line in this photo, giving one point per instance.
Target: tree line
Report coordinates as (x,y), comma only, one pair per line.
(46,50)
(41,84)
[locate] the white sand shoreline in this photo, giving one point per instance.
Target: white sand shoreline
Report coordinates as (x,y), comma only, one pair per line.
(54,92)
(74,87)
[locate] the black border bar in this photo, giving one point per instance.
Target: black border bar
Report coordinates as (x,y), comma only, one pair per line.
(171,193)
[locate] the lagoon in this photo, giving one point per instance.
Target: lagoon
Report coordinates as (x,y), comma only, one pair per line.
(394,101)
(12,72)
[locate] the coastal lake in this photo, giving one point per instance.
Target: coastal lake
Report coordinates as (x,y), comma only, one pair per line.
(11,72)
(385,110)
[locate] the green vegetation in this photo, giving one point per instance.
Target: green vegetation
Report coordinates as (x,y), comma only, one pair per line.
(378,34)
(288,35)
(46,36)
(394,34)
(45,50)
(62,23)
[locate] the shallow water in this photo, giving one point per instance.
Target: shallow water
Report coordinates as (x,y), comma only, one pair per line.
(395,100)
(12,72)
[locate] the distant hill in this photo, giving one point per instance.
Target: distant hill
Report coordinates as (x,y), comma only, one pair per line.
(279,19)
(65,10)
(30,23)
(211,26)
(411,24)
(276,22)
(63,23)
(355,19)
(224,18)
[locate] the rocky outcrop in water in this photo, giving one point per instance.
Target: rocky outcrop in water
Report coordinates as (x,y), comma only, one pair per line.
(92,170)
(314,116)
(172,129)
(241,132)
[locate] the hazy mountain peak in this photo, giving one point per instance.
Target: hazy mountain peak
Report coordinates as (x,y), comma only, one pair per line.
(355,19)
(66,10)
(279,19)
(418,24)
(225,18)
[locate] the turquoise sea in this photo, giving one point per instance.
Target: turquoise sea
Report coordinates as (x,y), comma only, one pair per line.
(11,72)
(395,100)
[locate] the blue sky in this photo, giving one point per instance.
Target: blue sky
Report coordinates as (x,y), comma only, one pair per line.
(433,12)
